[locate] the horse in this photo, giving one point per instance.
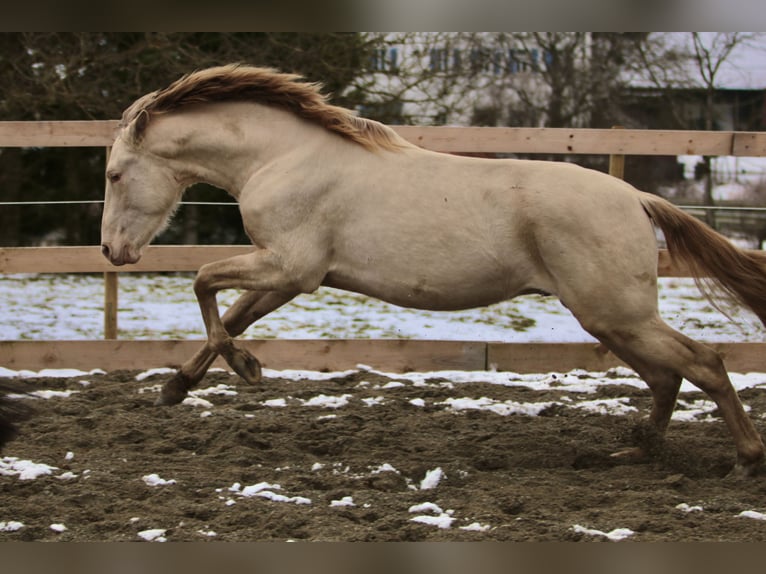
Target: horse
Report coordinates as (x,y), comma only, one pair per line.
(330,198)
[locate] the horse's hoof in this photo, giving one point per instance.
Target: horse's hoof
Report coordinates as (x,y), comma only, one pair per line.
(169,399)
(245,365)
(173,392)
(742,471)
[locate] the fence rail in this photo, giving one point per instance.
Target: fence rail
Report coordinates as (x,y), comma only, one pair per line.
(341,354)
(158,258)
(453,139)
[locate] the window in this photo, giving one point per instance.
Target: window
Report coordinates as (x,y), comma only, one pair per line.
(385,60)
(438,61)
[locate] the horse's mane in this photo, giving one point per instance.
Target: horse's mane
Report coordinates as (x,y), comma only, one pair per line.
(236,82)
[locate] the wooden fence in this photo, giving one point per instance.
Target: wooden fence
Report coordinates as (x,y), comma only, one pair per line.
(393,355)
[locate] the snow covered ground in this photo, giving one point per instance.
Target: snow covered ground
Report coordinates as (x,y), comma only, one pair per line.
(40,307)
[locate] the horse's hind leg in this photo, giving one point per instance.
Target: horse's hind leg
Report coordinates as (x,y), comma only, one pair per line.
(665,356)
(251,306)
(664,384)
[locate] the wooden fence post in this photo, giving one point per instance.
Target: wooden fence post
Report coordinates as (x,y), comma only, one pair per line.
(110,294)
(110,305)
(617,161)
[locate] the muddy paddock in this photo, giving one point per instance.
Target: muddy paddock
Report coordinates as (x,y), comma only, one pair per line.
(363,457)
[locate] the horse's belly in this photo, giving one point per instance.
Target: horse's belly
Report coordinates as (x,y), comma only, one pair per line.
(423,292)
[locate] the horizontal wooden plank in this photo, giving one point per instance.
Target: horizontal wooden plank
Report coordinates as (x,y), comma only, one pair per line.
(317,355)
(749,144)
(563,357)
(58,134)
(453,139)
(396,356)
(172,258)
(582,141)
(89,259)
(748,357)
(542,357)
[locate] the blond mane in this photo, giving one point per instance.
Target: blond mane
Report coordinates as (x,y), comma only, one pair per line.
(236,82)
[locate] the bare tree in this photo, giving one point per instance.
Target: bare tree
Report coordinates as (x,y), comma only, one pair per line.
(710,51)
(554,79)
(420,77)
(680,64)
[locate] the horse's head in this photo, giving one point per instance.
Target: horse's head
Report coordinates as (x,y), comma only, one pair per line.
(141,194)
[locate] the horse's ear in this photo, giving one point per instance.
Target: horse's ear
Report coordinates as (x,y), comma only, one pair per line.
(137,128)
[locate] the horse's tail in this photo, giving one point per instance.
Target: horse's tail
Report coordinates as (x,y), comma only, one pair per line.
(12,411)
(708,255)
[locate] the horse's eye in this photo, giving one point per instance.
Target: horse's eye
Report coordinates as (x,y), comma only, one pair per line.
(113,177)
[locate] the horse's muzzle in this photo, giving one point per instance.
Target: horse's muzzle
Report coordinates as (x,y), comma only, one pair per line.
(106,251)
(118,257)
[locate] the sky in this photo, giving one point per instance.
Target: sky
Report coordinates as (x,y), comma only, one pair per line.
(745,68)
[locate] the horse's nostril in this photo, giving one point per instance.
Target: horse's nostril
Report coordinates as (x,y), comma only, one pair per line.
(105,250)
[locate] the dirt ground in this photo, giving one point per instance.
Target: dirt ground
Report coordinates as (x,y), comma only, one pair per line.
(521,478)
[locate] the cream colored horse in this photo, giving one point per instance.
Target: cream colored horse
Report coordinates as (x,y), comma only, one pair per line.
(331,199)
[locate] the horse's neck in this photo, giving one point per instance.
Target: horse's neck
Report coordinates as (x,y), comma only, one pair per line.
(226,144)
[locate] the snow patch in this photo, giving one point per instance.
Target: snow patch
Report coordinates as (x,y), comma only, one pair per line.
(345,501)
(266,490)
(442,521)
(503,408)
(155,480)
(426,507)
(476,527)
(616,535)
(24,469)
(373,401)
(151,372)
(385,467)
(618,406)
(275,403)
(153,535)
(698,410)
(197,402)
(755,515)
(48,394)
(432,479)
(438,518)
(221,389)
(328,402)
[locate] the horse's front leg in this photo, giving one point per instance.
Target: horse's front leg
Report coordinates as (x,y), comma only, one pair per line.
(250,307)
(257,271)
